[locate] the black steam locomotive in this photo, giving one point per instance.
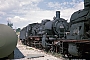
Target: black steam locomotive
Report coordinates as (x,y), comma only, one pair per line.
(57,35)
(47,31)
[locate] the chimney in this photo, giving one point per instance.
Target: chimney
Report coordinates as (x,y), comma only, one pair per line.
(58,14)
(86,4)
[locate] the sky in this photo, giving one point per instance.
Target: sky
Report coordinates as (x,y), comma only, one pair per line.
(24,12)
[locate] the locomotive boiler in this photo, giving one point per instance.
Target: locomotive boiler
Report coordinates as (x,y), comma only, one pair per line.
(8,41)
(58,26)
(42,27)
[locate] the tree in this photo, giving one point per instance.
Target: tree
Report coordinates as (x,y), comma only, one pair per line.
(18,30)
(10,24)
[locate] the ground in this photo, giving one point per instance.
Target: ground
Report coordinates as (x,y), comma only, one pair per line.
(23,52)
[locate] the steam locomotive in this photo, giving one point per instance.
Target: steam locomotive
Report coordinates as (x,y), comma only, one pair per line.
(80,31)
(57,35)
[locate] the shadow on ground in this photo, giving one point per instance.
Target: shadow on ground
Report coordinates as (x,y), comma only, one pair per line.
(18,54)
